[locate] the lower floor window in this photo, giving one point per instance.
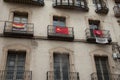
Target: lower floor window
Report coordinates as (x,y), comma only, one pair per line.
(15,65)
(61,67)
(102,67)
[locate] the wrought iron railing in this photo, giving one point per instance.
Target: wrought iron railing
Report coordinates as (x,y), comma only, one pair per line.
(95,76)
(101,7)
(90,34)
(15,75)
(27,29)
(33,2)
(117,1)
(51,75)
(116,11)
(82,4)
(52,32)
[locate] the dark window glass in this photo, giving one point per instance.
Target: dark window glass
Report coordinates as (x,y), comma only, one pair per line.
(100,3)
(15,65)
(20,17)
(59,21)
(94,25)
(61,67)
(102,68)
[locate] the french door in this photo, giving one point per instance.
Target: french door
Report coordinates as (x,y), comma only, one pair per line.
(102,68)
(92,28)
(15,65)
(61,67)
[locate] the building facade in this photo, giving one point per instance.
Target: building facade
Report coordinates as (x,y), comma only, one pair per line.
(59,40)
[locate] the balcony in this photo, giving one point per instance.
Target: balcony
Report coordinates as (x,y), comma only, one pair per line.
(32,2)
(15,75)
(65,33)
(116,11)
(27,31)
(69,76)
(101,8)
(92,38)
(71,4)
(94,76)
(117,1)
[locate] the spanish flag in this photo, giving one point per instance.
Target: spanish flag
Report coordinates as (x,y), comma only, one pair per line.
(18,25)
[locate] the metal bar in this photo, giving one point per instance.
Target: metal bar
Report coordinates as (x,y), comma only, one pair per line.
(29,28)
(94,76)
(106,33)
(38,2)
(71,75)
(5,74)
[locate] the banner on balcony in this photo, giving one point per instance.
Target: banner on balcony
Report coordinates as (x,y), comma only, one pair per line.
(62,30)
(98,33)
(101,40)
(18,25)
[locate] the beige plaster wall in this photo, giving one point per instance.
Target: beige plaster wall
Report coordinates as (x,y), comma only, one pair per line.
(40,62)
(40,49)
(42,17)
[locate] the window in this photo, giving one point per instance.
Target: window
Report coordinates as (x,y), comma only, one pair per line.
(15,65)
(99,3)
(94,25)
(20,21)
(118,4)
(102,68)
(93,1)
(59,21)
(66,1)
(82,2)
(61,67)
(20,17)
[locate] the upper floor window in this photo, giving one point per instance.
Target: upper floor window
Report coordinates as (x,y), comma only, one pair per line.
(20,17)
(94,24)
(100,2)
(118,4)
(94,27)
(31,2)
(101,6)
(59,21)
(71,4)
(20,21)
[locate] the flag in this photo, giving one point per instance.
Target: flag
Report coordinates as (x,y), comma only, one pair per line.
(98,33)
(61,30)
(18,25)
(101,40)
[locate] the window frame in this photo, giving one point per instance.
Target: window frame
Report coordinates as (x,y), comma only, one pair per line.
(100,62)
(18,47)
(21,16)
(60,63)
(59,18)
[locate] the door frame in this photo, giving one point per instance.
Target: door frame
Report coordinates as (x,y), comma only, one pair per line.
(16,47)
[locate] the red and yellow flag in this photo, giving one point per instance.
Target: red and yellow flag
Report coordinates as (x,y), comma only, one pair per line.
(18,25)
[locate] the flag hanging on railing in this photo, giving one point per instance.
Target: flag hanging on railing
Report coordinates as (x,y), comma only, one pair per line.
(99,37)
(98,33)
(101,40)
(61,30)
(18,25)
